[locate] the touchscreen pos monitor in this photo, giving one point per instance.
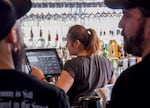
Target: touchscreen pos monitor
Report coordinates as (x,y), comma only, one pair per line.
(46,59)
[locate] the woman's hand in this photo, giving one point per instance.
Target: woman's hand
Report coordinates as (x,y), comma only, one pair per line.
(38,73)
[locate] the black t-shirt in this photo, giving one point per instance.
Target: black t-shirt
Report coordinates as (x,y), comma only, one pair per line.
(89,72)
(19,90)
(132,88)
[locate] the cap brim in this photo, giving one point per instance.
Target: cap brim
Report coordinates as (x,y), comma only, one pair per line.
(21,7)
(117,4)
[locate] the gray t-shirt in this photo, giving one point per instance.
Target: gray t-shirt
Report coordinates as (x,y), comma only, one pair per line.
(89,72)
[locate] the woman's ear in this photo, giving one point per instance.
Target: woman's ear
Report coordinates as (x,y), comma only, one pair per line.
(76,43)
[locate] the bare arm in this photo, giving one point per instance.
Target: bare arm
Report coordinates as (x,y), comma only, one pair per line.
(38,73)
(112,80)
(65,81)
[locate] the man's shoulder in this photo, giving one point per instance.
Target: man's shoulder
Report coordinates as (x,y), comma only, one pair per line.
(25,80)
(40,92)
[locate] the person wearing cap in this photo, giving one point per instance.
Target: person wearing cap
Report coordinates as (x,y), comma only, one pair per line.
(132,87)
(18,89)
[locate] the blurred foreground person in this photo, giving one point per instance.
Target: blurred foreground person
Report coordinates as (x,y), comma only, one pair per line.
(17,89)
(132,87)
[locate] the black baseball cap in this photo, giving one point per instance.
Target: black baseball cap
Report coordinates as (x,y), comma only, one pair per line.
(125,4)
(21,6)
(10,11)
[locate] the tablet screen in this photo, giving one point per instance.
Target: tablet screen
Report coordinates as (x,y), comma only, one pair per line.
(45,59)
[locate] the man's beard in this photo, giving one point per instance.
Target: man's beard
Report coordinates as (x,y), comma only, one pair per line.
(18,59)
(134,44)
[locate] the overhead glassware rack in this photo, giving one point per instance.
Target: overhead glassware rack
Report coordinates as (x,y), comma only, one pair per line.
(56,16)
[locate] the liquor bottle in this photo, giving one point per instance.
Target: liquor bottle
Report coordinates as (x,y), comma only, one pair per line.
(101,49)
(58,45)
(49,45)
(31,43)
(57,41)
(41,40)
(113,48)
